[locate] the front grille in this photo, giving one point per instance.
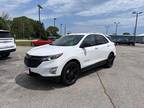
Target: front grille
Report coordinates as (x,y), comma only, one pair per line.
(32,61)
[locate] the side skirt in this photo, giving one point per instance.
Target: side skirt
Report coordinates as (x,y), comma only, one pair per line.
(101,63)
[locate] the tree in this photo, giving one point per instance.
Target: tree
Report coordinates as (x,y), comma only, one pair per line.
(126,33)
(3,24)
(4,21)
(22,27)
(27,28)
(5,16)
(53,31)
(39,30)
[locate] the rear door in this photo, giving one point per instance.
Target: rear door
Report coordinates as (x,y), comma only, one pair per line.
(102,48)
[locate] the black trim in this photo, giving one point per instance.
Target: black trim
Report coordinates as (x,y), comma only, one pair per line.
(94,66)
(32,61)
(36,75)
(7,51)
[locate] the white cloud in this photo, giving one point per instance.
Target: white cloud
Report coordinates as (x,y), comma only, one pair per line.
(124,21)
(113,6)
(10,5)
(14,1)
(90,10)
(127,22)
(58,2)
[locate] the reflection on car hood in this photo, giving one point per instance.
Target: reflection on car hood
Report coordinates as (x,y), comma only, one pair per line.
(46,50)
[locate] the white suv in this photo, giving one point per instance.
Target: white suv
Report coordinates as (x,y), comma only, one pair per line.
(7,44)
(69,55)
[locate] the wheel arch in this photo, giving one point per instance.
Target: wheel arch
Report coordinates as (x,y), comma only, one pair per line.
(73,60)
(111,53)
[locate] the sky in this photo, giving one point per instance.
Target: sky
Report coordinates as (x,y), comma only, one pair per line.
(81,15)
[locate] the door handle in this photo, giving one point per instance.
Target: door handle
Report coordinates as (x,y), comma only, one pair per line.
(108,45)
(96,48)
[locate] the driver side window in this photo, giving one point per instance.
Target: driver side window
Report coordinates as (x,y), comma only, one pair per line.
(90,40)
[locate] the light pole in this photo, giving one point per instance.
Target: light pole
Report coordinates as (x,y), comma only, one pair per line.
(65,29)
(61,25)
(116,23)
(107,28)
(39,8)
(54,21)
(136,23)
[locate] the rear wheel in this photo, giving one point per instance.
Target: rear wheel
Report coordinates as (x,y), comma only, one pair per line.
(4,55)
(110,60)
(70,73)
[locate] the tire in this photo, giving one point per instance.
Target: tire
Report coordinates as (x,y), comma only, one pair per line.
(5,55)
(110,60)
(70,73)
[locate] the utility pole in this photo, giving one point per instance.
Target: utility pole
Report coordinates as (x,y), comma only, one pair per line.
(23,28)
(136,23)
(61,26)
(54,21)
(116,29)
(107,28)
(39,8)
(65,29)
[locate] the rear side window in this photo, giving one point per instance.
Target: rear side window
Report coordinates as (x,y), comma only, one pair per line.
(101,40)
(5,35)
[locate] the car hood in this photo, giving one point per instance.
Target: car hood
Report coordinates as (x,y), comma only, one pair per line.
(46,50)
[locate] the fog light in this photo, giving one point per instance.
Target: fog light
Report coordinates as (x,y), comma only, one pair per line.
(53,70)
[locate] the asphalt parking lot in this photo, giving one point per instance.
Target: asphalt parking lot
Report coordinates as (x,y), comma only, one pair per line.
(121,86)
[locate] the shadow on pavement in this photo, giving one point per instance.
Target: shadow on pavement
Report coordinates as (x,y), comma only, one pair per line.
(28,82)
(7,58)
(90,71)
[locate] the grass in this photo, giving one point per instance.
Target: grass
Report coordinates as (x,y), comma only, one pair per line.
(23,42)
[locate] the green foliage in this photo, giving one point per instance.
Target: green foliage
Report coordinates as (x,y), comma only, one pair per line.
(126,33)
(3,24)
(23,43)
(52,30)
(25,28)
(39,31)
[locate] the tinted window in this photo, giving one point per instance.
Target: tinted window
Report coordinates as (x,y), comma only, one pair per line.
(101,40)
(90,40)
(70,40)
(5,35)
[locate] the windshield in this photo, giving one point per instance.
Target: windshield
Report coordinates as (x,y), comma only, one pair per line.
(70,40)
(5,35)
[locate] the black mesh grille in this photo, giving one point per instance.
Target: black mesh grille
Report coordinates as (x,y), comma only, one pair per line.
(32,61)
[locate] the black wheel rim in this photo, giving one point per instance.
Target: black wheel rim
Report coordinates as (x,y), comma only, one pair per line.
(71,74)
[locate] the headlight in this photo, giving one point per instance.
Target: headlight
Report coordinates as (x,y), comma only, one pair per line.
(52,57)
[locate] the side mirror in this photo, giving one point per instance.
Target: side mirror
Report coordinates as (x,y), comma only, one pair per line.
(83,45)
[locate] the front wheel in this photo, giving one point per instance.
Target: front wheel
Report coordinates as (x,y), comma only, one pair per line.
(70,73)
(5,55)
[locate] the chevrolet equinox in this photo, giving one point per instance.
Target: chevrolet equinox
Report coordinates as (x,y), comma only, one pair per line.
(70,54)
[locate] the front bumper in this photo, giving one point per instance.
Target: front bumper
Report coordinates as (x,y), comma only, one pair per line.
(7,51)
(47,69)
